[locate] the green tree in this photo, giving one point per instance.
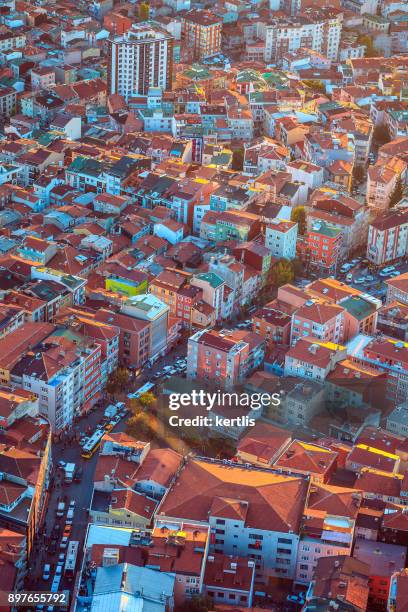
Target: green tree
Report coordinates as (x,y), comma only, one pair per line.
(298,215)
(381,134)
(282,273)
(147,399)
(238,159)
(397,194)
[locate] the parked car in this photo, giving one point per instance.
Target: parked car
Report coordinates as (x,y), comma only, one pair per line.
(64,542)
(46,571)
(58,569)
(387,271)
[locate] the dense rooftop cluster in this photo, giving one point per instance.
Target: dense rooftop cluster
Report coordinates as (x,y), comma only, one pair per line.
(198,196)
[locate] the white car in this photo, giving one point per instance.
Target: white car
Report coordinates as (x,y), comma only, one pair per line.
(46,572)
(360,280)
(58,569)
(387,271)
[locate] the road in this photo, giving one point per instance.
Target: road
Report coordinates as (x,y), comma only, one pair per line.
(376,287)
(81,492)
(69,451)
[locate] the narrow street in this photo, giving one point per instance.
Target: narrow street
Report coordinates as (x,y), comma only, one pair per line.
(70,452)
(81,492)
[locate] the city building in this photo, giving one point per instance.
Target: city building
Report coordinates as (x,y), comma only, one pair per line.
(140,58)
(149,308)
(280,238)
(224,356)
(201,32)
(246,516)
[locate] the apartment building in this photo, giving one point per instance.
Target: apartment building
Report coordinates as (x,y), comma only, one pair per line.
(66,375)
(201,32)
(246,515)
(320,32)
(147,307)
(324,246)
(388,237)
(280,238)
(318,321)
(397,289)
(140,58)
(312,360)
(25,467)
(224,356)
(381,182)
(384,355)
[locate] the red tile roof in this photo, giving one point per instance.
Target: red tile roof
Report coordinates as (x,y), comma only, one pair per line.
(272,500)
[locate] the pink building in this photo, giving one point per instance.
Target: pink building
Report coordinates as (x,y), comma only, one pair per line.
(324,322)
(224,356)
(381,182)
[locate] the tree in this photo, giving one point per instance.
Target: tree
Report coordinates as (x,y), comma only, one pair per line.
(282,273)
(397,194)
(138,426)
(144,11)
(367,41)
(238,159)
(299,216)
(315,84)
(381,134)
(147,399)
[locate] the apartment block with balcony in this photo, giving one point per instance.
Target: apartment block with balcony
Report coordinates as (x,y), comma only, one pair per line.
(224,356)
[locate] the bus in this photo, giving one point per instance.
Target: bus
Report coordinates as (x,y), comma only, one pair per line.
(92,444)
(71,560)
(144,389)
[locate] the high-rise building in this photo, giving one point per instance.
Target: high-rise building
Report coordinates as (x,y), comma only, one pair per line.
(202,33)
(141,58)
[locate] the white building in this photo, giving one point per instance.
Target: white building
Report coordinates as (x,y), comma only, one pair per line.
(246,516)
(306,172)
(280,238)
(139,59)
(336,539)
(397,420)
(319,33)
(65,388)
